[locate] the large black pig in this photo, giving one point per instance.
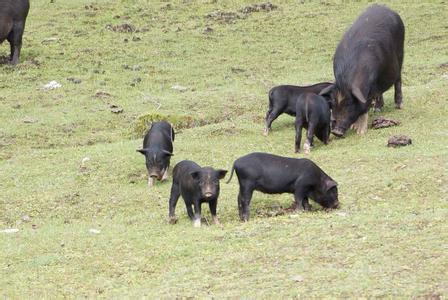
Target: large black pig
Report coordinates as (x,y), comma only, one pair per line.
(313,113)
(158,149)
(13,15)
(274,174)
(282,99)
(196,185)
(367,62)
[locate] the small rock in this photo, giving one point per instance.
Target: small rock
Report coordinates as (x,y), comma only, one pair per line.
(297,278)
(26,218)
(179,88)
(208,29)
(115,109)
(341,213)
(52,85)
(84,162)
(10,230)
(102,94)
(136,39)
(398,141)
(29,120)
(74,80)
(94,231)
(49,40)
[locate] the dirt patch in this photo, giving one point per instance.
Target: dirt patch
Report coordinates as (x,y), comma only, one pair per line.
(123,28)
(276,210)
(444,66)
(268,6)
(224,16)
(232,16)
(102,95)
(399,141)
(382,122)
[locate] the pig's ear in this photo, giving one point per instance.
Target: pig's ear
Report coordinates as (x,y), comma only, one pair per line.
(221,173)
(329,184)
(195,175)
(167,153)
(358,94)
(327,91)
(142,151)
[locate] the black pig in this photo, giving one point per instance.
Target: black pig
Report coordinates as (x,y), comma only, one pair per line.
(196,185)
(158,149)
(367,62)
(274,174)
(313,113)
(13,15)
(282,99)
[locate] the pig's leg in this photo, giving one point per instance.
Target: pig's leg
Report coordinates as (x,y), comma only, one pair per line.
(361,124)
(246,192)
(150,181)
(379,103)
(299,125)
(190,211)
(309,138)
(270,117)
(15,40)
(174,196)
(398,94)
(212,204)
(197,213)
(301,199)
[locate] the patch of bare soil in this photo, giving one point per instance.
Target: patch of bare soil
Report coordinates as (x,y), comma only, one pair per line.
(231,16)
(126,28)
(268,6)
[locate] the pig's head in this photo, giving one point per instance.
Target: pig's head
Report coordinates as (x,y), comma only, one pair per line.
(157,161)
(347,105)
(208,181)
(327,194)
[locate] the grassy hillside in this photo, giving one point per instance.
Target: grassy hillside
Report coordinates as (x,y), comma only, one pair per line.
(389,238)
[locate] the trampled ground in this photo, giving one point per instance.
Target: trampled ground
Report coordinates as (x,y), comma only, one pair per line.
(389,238)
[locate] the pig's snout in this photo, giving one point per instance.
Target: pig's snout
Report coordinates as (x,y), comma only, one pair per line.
(208,194)
(335,205)
(338,132)
(155,175)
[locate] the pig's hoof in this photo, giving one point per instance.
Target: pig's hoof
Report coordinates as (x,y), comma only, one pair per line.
(398,106)
(306,148)
(150,182)
(172,220)
(197,223)
(266,132)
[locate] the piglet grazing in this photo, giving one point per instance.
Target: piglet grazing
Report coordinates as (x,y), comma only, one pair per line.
(313,113)
(13,15)
(196,185)
(158,149)
(283,98)
(274,174)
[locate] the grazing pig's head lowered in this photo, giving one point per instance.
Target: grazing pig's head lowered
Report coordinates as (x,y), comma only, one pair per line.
(347,106)
(208,181)
(157,162)
(327,194)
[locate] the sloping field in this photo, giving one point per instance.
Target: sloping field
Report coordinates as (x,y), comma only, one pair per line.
(73,184)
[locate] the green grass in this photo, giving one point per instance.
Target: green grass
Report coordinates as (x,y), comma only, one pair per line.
(389,239)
